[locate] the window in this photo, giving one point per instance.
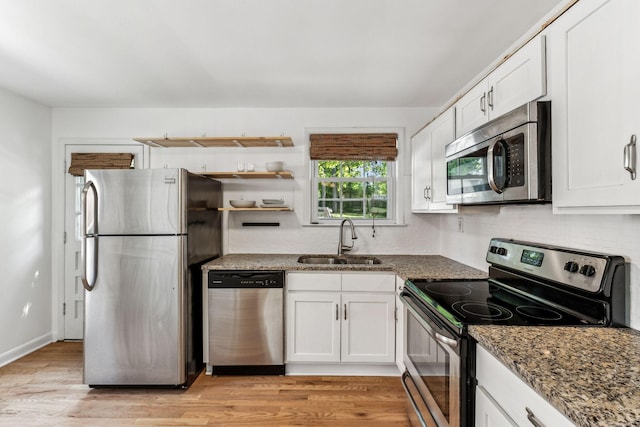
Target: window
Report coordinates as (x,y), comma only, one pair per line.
(353,177)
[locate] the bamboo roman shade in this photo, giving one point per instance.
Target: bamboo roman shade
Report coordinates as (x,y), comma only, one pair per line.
(353,146)
(82,161)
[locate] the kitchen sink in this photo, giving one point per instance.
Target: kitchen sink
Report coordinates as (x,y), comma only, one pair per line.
(332,259)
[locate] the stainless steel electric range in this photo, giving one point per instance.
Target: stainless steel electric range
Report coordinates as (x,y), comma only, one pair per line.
(529,284)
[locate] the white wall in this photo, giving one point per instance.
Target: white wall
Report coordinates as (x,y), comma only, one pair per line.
(613,234)
(293,235)
(25,226)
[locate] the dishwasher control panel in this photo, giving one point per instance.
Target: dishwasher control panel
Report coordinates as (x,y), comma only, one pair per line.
(245,279)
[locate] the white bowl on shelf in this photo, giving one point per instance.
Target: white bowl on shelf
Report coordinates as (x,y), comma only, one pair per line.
(242,203)
(275,166)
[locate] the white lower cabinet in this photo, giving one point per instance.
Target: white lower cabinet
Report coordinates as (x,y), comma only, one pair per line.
(503,399)
(489,413)
(340,317)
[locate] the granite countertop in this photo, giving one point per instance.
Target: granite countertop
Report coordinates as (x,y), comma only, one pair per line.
(590,374)
(430,267)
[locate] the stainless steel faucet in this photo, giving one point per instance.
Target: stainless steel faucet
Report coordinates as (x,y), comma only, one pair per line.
(341,246)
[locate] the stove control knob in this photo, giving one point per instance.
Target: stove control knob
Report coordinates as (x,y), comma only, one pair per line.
(571,266)
(493,249)
(588,270)
(502,251)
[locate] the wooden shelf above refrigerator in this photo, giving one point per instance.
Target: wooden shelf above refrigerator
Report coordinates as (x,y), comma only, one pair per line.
(219,141)
(249,175)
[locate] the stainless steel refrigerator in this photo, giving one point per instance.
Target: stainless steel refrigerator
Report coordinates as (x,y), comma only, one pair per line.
(146,234)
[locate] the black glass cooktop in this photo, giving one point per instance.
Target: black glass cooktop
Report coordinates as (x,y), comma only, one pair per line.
(482,302)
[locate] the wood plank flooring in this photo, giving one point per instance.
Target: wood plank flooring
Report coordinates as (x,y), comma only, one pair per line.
(45,389)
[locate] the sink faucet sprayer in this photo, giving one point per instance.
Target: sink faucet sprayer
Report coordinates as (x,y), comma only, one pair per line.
(341,246)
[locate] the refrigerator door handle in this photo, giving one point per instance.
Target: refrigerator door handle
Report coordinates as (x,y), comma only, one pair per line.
(86,282)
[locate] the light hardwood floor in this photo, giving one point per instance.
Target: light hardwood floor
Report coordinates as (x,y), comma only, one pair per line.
(45,389)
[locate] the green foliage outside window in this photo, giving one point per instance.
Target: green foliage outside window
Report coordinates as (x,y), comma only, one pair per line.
(356,189)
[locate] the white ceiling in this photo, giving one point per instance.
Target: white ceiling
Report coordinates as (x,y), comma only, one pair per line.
(254,53)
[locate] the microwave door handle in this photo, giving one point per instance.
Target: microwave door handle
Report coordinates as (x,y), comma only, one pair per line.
(490,167)
(89,284)
(630,157)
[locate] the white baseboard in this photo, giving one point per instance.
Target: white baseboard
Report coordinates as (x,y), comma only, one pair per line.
(24,349)
(342,369)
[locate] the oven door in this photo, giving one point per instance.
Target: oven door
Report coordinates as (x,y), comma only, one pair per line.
(433,359)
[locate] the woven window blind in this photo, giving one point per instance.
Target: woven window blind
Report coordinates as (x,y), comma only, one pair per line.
(82,161)
(353,146)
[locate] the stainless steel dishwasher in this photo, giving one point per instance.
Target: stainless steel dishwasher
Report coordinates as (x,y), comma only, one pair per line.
(246,322)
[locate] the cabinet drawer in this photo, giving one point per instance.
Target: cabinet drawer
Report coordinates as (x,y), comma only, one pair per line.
(368,282)
(313,281)
(512,394)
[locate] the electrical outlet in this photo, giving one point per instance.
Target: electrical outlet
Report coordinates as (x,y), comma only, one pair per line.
(461,224)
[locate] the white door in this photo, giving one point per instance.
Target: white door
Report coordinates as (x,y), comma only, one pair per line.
(489,413)
(313,326)
(368,327)
(471,109)
(522,78)
(73,290)
(420,170)
(595,105)
(442,133)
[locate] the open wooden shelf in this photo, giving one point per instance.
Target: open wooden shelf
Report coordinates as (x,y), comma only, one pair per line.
(249,175)
(257,209)
(219,141)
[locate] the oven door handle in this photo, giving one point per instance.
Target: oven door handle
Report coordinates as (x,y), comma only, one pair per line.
(448,341)
(403,380)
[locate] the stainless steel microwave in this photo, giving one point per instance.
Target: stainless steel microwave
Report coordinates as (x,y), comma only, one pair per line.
(507,160)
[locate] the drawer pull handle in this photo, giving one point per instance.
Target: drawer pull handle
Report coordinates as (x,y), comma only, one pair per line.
(630,157)
(533,419)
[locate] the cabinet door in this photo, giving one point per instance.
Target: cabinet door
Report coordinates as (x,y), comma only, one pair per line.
(442,133)
(313,327)
(420,170)
(594,62)
(368,327)
(471,109)
(489,413)
(400,331)
(429,167)
(520,79)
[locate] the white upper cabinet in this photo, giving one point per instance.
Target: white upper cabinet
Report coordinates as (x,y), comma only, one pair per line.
(428,165)
(594,66)
(520,79)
